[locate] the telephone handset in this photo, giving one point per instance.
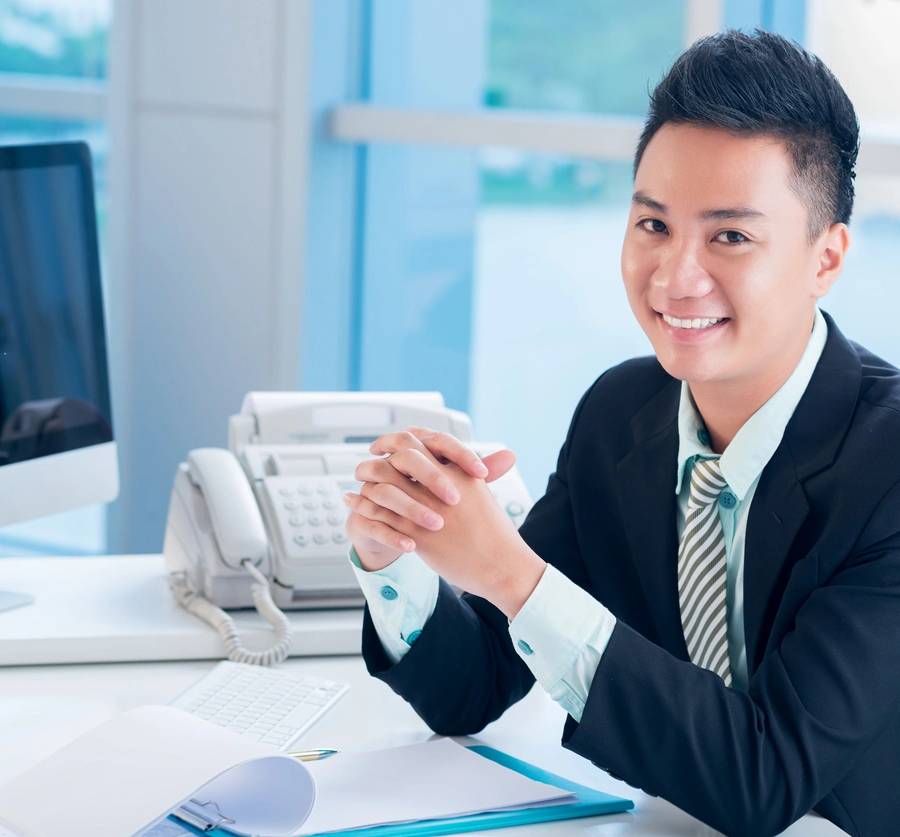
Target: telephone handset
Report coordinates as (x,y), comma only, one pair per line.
(213,513)
(263,525)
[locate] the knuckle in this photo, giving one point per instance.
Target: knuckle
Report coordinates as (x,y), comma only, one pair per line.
(401,457)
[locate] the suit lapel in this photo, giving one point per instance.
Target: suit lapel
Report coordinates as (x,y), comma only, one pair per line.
(780,504)
(646,482)
(777,512)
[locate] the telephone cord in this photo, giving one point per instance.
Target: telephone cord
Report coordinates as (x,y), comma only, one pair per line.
(224,624)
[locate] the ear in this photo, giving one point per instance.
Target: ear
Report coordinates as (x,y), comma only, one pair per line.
(830,249)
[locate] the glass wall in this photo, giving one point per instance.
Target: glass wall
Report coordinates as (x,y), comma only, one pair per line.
(862,299)
(55,37)
(509,264)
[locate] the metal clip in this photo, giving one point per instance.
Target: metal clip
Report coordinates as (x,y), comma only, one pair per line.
(204,816)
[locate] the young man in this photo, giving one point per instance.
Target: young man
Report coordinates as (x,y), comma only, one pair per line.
(711,584)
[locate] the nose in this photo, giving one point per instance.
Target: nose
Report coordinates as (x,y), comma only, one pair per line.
(680,273)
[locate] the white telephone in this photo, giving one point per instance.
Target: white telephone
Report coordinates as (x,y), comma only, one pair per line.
(263,524)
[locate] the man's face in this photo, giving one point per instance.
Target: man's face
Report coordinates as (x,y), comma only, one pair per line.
(715,231)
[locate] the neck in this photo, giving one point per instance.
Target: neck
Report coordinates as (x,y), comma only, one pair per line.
(727,405)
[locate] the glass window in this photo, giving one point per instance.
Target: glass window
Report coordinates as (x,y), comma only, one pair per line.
(508,262)
(862,299)
(55,37)
(550,312)
(580,55)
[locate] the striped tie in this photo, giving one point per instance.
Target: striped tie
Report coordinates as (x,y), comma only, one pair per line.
(701,572)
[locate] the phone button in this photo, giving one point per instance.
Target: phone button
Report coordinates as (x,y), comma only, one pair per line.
(310,504)
(314,520)
(296,521)
(301,540)
(339,537)
(320,539)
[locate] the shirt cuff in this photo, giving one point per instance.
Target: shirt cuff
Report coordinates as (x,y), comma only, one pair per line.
(401,598)
(561,633)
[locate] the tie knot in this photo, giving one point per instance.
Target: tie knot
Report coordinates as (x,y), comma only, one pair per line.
(706,482)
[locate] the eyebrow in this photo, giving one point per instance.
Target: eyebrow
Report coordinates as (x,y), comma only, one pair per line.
(708,214)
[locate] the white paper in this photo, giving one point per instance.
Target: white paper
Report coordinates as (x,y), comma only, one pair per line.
(435,779)
(123,776)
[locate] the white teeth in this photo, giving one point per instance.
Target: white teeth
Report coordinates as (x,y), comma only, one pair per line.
(698,323)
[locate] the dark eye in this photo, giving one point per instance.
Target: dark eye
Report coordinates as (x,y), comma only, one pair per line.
(652,225)
(731,237)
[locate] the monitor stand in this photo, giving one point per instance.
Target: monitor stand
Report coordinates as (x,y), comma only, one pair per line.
(10,600)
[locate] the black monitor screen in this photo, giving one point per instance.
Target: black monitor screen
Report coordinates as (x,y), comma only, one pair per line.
(54,381)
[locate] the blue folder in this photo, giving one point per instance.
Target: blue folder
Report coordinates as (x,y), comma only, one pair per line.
(588,803)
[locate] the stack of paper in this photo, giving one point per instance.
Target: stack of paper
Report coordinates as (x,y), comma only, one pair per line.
(432,780)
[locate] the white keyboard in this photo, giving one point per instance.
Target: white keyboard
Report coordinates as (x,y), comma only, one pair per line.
(264,704)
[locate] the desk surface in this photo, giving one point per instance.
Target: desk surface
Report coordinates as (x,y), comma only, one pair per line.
(43,707)
(119,608)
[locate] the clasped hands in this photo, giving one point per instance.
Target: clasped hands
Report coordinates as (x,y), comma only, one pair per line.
(428,492)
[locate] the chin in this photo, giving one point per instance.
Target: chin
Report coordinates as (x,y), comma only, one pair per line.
(693,372)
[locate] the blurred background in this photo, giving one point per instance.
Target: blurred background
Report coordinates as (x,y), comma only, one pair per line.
(385,195)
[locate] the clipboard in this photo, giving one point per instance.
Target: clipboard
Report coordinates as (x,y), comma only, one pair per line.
(588,803)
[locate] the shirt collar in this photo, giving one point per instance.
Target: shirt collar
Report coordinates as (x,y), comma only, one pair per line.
(753,445)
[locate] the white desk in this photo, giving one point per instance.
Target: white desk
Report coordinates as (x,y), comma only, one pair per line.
(119,608)
(42,707)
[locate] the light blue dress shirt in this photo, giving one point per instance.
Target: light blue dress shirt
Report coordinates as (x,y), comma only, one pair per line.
(561,631)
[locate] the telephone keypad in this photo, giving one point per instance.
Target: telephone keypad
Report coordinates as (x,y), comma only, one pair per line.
(311,513)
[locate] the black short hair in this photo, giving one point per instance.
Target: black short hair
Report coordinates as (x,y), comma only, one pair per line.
(765,84)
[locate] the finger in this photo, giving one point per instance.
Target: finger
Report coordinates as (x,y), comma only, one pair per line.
(379,470)
(431,475)
(396,500)
(394,442)
(380,533)
(498,463)
(452,449)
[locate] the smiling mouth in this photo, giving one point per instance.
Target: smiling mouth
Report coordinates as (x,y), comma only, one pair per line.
(695,323)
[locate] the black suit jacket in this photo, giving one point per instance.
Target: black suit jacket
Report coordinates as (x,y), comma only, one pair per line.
(819,727)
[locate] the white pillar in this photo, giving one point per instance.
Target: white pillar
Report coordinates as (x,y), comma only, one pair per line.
(208,156)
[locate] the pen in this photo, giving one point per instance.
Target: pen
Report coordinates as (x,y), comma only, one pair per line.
(312,755)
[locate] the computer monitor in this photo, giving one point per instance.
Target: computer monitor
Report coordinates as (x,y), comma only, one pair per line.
(56,439)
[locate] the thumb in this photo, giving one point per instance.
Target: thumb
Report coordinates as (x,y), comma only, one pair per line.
(498,464)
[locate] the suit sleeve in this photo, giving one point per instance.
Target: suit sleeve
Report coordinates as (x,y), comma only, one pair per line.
(753,762)
(463,672)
